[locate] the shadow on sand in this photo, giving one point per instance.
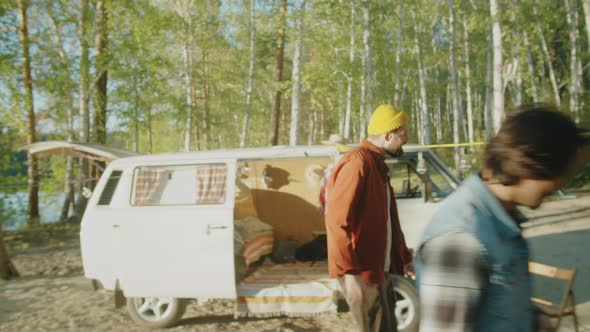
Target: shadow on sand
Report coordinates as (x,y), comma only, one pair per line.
(220,320)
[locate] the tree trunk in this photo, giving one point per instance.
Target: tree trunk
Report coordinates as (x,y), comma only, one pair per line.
(425,123)
(149,131)
(68,203)
(100,89)
(32,171)
(549,62)
(296,77)
(350,73)
(193,101)
(311,124)
(364,108)
(498,113)
(439,123)
(531,66)
(84,113)
(7,269)
(398,52)
(135,118)
(586,4)
(340,108)
(205,119)
(454,89)
(438,115)
(250,74)
(489,78)
(276,104)
(468,81)
(574,89)
(418,118)
(189,81)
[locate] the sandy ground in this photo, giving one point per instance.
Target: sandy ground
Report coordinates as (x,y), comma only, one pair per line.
(52,294)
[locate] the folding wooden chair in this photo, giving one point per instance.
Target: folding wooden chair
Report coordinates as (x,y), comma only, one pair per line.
(567,306)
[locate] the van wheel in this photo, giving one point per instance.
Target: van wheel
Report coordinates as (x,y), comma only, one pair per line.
(156,312)
(407,310)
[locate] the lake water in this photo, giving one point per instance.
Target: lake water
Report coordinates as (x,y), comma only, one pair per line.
(14,210)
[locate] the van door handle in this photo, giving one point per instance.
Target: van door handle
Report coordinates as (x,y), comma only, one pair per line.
(209,228)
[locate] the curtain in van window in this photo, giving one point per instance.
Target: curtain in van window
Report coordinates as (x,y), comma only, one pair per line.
(148,185)
(211,184)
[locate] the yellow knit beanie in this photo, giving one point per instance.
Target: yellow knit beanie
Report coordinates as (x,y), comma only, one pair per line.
(385,119)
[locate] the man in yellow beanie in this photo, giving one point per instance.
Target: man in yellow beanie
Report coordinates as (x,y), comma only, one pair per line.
(365,240)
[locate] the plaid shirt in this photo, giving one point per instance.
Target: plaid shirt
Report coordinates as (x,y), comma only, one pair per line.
(451,283)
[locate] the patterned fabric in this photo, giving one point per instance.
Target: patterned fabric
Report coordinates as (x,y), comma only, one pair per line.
(147,183)
(294,289)
(452,279)
(211,184)
(256,236)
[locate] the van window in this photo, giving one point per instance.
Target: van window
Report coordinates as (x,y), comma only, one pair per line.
(179,185)
(441,185)
(109,189)
(405,181)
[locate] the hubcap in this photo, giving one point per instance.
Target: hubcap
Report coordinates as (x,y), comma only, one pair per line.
(153,309)
(404,309)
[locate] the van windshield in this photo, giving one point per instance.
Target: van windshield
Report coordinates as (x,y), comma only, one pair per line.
(408,183)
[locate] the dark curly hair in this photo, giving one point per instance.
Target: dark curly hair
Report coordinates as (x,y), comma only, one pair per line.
(537,142)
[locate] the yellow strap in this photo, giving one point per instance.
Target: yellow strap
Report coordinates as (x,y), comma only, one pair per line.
(451,145)
(344,148)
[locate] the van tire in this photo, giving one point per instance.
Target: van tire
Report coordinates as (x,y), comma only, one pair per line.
(405,292)
(143,310)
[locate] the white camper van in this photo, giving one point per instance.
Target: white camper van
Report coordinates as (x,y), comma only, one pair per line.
(235,224)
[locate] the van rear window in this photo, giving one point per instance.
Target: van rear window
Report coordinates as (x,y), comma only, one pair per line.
(179,185)
(109,189)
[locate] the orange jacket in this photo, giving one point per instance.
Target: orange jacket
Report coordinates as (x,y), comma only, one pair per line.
(356,220)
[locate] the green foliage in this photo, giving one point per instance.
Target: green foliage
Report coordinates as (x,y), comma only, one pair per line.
(147,85)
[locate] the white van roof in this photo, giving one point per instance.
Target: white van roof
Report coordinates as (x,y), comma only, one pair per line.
(77,149)
(280,151)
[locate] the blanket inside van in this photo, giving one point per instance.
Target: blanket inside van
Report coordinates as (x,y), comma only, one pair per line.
(293,289)
(252,238)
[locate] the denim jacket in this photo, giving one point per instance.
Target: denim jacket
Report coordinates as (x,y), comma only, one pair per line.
(505,299)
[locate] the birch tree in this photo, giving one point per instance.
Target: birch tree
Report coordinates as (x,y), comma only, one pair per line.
(547,55)
(100,88)
(398,52)
(183,8)
(586,4)
(365,110)
(424,138)
(488,118)
(69,200)
(498,101)
(252,62)
(32,167)
(468,80)
(575,79)
(296,76)
(276,102)
(350,72)
(531,67)
(454,88)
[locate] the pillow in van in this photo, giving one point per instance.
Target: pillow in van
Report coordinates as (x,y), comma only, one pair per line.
(257,237)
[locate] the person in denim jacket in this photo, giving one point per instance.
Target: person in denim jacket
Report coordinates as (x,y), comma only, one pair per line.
(472,261)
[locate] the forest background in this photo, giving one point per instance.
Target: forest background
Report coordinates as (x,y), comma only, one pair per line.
(184,75)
